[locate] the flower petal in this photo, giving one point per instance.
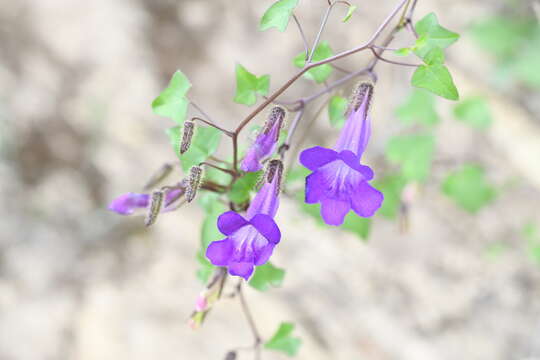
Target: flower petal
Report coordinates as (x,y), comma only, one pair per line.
(333,211)
(266,201)
(126,204)
(366,200)
(263,254)
(220,252)
(267,227)
(314,188)
(251,161)
(229,222)
(353,161)
(317,156)
(241,269)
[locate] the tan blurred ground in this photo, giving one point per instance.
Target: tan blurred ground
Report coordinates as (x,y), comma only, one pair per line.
(76,129)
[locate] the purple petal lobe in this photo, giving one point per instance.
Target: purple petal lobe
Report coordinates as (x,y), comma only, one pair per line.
(366,200)
(314,188)
(317,156)
(353,161)
(263,254)
(220,252)
(229,222)
(333,211)
(241,269)
(267,227)
(127,203)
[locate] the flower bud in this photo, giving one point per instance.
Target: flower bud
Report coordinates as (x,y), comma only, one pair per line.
(156,200)
(359,94)
(194,181)
(201,303)
(189,127)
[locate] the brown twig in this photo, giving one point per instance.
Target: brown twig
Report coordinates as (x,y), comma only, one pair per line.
(251,322)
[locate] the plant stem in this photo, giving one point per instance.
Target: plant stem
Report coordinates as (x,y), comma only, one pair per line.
(201,111)
(391,61)
(225,131)
(251,322)
(304,40)
(286,145)
(228,171)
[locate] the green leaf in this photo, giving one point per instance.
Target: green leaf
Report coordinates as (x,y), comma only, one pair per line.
(436,35)
(205,269)
(352,9)
(502,35)
(418,108)
(320,73)
(217,176)
(209,232)
(172,101)
(175,137)
(283,341)
(204,143)
(242,188)
(420,42)
(391,186)
(468,188)
(267,276)
(357,225)
(249,85)
(402,51)
(337,106)
(437,79)
(278,15)
(414,153)
(296,174)
(474,111)
(434,57)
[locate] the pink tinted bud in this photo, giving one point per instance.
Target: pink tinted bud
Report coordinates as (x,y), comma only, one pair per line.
(409,193)
(201,303)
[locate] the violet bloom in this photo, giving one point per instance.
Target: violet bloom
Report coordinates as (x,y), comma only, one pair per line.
(126,204)
(250,240)
(339,182)
(265,143)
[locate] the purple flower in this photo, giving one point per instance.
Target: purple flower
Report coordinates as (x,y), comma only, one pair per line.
(250,240)
(266,141)
(126,204)
(338,181)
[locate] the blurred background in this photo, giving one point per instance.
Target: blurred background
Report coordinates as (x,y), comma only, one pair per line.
(76,129)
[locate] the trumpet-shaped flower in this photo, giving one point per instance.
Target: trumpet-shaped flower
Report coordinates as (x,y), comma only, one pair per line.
(339,182)
(250,240)
(265,143)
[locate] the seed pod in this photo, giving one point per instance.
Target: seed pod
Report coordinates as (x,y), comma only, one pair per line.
(189,127)
(276,117)
(275,168)
(156,200)
(194,181)
(362,90)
